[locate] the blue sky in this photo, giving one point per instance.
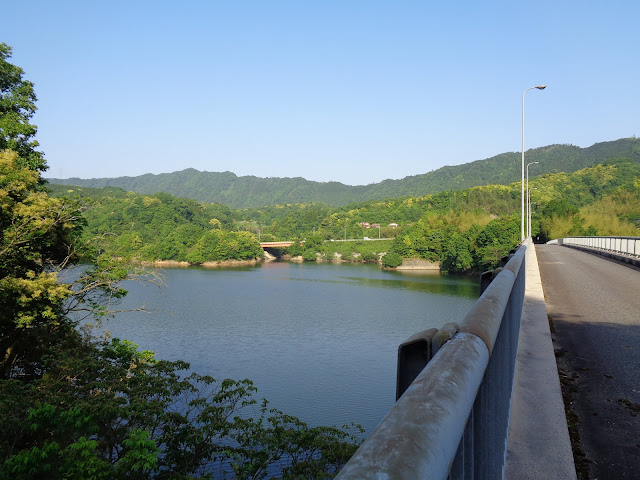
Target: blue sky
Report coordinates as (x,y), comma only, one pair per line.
(352,91)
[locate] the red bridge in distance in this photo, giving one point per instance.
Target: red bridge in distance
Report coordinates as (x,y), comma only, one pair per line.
(275,244)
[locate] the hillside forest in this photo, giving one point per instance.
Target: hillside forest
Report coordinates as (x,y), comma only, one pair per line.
(465,230)
(253,192)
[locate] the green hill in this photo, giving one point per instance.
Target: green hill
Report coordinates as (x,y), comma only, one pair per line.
(250,191)
(603,199)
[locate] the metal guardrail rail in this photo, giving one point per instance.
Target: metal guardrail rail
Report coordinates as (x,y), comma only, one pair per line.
(453,419)
(625,245)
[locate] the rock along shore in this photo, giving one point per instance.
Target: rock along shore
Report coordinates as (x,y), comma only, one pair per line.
(418,264)
(223,263)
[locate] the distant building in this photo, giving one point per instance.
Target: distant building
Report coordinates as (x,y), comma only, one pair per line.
(393,225)
(365,225)
(375,225)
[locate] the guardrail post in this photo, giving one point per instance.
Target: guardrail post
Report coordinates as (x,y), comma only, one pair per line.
(487,277)
(413,355)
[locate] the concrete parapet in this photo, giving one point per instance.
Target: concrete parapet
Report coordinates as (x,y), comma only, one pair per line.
(419,436)
(492,366)
(539,444)
(485,318)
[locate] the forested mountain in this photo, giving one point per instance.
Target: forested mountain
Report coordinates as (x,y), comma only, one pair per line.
(485,220)
(250,191)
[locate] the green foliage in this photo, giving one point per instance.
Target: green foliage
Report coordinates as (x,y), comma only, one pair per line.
(163,227)
(35,230)
(110,411)
(456,256)
(420,241)
(160,227)
(392,260)
(355,251)
(17,106)
(313,242)
(496,240)
(459,248)
(369,257)
(218,245)
(67,447)
(559,207)
(309,255)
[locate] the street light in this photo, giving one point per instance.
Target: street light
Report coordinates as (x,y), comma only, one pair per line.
(528,205)
(529,212)
(539,87)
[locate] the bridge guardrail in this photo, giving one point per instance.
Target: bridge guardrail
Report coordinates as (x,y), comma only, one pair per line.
(626,245)
(453,420)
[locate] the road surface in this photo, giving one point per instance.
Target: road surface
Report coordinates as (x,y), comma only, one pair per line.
(594,306)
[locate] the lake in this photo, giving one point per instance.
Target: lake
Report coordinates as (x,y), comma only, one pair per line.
(319,340)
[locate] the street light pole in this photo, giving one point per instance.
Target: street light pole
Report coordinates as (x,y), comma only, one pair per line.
(528,204)
(539,87)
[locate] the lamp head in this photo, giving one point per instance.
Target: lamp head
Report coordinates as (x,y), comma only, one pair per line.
(541,87)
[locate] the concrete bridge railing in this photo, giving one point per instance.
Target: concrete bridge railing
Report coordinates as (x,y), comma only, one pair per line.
(625,245)
(453,419)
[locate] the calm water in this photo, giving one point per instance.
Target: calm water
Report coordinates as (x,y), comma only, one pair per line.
(319,341)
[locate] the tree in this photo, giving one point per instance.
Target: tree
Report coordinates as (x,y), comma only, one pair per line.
(495,241)
(38,245)
(37,235)
(108,410)
(17,106)
(420,241)
(456,256)
(391,260)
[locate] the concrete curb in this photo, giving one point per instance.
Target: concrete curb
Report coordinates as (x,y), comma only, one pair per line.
(538,444)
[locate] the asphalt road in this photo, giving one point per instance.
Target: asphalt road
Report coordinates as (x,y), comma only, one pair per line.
(594,306)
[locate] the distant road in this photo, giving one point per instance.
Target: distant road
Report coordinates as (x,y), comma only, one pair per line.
(594,305)
(359,240)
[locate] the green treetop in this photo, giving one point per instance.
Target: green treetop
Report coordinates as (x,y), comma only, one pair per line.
(17,106)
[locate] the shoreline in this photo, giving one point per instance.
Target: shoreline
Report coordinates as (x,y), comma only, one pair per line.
(212,264)
(409,264)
